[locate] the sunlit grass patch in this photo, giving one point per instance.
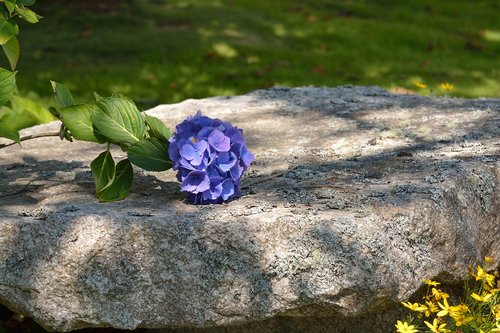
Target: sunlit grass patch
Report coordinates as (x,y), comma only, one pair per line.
(167,51)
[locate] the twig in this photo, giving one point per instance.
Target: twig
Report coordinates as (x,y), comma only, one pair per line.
(29,137)
(25,188)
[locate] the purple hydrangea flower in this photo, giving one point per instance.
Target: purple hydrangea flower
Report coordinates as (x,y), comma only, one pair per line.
(210,157)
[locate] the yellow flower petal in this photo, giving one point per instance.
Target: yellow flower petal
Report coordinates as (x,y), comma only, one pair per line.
(488,259)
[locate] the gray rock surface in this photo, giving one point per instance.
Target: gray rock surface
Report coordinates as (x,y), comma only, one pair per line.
(355,196)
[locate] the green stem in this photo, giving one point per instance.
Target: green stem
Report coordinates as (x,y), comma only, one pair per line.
(29,137)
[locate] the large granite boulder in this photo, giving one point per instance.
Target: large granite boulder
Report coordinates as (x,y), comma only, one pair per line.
(355,196)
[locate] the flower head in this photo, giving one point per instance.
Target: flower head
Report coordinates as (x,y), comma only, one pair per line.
(415,306)
(489,259)
(438,294)
(487,279)
(430,282)
(447,86)
(437,327)
(404,327)
(481,298)
(420,85)
(210,157)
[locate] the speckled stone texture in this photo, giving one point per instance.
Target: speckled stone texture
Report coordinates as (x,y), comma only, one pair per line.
(355,196)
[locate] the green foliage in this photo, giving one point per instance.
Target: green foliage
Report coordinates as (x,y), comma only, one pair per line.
(112,182)
(156,128)
(62,95)
(78,120)
(11,49)
(22,112)
(150,154)
(119,121)
(8,132)
(7,85)
(118,187)
(30,108)
(114,120)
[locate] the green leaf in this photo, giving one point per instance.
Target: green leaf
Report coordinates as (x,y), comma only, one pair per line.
(119,187)
(11,50)
(103,170)
(62,94)
(97,97)
(26,2)
(7,85)
(78,119)
(8,132)
(17,119)
(119,120)
(41,114)
(150,154)
(8,29)
(54,112)
(157,129)
(27,14)
(11,5)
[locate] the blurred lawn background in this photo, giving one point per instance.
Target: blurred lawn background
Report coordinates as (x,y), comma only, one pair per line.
(165,51)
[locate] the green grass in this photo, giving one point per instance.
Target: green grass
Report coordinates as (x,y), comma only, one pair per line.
(166,51)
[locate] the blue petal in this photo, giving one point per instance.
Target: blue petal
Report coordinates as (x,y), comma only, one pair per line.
(226,161)
(227,189)
(188,152)
(219,141)
(246,156)
(236,172)
(195,182)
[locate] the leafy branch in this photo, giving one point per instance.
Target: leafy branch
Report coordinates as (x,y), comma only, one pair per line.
(21,112)
(114,120)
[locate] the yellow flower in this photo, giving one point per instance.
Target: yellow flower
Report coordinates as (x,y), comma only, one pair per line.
(436,327)
(431,308)
(403,327)
(488,279)
(431,283)
(445,308)
(458,313)
(483,298)
(415,306)
(496,311)
(420,85)
(438,294)
(488,259)
(447,86)
(459,321)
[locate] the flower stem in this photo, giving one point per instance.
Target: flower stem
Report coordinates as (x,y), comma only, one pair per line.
(29,137)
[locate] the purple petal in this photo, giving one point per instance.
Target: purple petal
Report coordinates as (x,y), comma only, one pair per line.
(236,172)
(227,189)
(188,151)
(219,141)
(235,135)
(195,182)
(185,164)
(215,189)
(173,153)
(246,156)
(205,132)
(226,161)
(236,149)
